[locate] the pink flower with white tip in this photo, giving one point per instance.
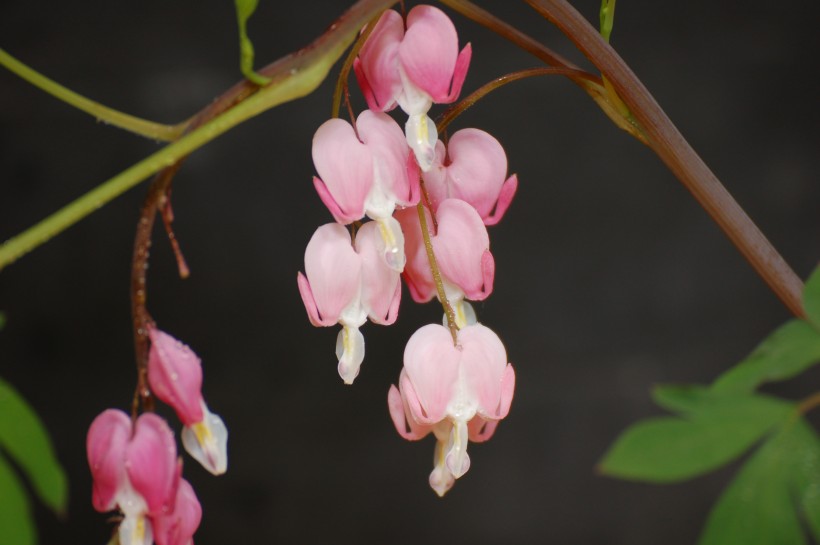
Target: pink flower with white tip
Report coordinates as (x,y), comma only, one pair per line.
(413,66)
(462,249)
(347,284)
(134,469)
(175,377)
(458,393)
(367,174)
(473,168)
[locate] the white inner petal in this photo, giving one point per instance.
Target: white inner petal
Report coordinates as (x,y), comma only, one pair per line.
(207,442)
(350,351)
(422,136)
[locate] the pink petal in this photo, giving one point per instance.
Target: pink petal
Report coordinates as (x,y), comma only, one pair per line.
(484,367)
(388,146)
(106,442)
(488,274)
(504,198)
(459,74)
(377,69)
(429,50)
(151,463)
(175,376)
(178,528)
(477,169)
(399,413)
(507,391)
(480,429)
(344,165)
(432,365)
(417,273)
(462,249)
(331,204)
(333,271)
(310,303)
(379,282)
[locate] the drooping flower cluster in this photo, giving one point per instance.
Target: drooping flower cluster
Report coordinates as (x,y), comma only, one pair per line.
(135,465)
(456,381)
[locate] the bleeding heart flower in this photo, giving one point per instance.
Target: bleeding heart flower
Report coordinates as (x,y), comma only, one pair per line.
(347,284)
(458,392)
(368,173)
(473,168)
(413,66)
(175,377)
(462,249)
(134,469)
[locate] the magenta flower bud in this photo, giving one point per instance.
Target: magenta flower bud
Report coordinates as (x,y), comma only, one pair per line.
(107,439)
(135,470)
(175,377)
(179,526)
(151,463)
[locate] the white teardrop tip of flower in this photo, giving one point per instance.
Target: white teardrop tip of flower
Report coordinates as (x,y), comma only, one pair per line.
(457,459)
(207,442)
(421,135)
(350,351)
(392,243)
(441,480)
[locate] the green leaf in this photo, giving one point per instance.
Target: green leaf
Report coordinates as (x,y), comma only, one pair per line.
(790,350)
(715,431)
(805,450)
(758,507)
(244,10)
(811,298)
(24,438)
(607,16)
(2,320)
(16,524)
(681,398)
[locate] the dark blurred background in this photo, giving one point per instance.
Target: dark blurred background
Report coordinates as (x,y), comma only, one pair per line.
(610,277)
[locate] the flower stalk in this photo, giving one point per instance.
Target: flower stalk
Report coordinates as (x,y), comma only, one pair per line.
(292,77)
(431,256)
(110,116)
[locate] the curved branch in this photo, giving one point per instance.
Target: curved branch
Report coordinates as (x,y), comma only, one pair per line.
(665,139)
(142,127)
(292,77)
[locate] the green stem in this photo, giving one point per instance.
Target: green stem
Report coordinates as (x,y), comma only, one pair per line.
(292,77)
(143,127)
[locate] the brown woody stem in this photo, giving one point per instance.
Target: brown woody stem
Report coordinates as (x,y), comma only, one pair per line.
(451,113)
(668,143)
